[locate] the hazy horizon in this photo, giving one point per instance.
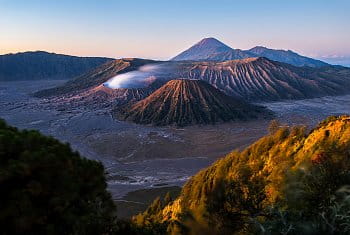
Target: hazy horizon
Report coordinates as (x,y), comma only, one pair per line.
(162,29)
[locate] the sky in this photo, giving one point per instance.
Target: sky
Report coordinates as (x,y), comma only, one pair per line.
(160,29)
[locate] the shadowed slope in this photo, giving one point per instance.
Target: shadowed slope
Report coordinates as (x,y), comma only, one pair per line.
(43,65)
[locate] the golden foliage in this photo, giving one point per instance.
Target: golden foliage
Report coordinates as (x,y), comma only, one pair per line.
(287,168)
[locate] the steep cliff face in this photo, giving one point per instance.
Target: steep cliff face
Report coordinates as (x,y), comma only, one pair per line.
(186,102)
(43,65)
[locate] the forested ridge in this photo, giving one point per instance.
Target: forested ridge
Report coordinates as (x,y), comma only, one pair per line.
(289,182)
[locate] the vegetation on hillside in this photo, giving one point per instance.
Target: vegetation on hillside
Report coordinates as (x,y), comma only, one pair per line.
(288,182)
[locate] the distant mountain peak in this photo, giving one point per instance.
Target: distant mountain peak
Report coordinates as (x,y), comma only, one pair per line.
(263,48)
(259,48)
(211,42)
(211,49)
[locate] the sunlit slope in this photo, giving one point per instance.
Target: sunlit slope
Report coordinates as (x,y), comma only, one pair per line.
(288,169)
(187,102)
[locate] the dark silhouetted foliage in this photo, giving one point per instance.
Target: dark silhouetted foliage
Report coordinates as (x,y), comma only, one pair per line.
(46,188)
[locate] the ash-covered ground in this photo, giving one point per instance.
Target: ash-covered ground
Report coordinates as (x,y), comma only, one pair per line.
(138,157)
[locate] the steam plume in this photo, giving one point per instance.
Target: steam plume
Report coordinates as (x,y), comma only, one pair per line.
(142,77)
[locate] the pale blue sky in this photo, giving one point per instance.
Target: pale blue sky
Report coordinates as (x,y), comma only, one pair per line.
(161,29)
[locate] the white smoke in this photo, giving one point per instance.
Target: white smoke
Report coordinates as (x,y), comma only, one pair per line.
(135,79)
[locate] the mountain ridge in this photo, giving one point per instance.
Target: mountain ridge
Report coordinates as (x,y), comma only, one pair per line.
(209,49)
(261,79)
(286,56)
(36,65)
(96,77)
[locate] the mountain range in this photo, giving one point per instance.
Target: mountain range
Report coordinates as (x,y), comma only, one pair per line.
(211,49)
(43,65)
(253,79)
(39,65)
(213,91)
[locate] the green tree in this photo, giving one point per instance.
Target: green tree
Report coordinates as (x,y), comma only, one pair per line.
(46,188)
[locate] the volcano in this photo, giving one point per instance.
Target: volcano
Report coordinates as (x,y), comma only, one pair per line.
(211,49)
(183,102)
